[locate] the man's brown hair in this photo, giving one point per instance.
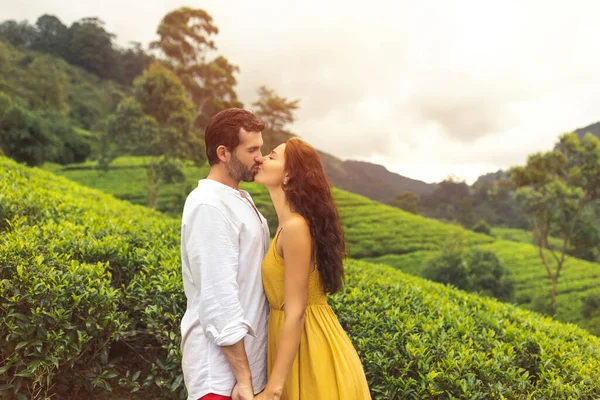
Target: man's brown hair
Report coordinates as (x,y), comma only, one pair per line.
(224,129)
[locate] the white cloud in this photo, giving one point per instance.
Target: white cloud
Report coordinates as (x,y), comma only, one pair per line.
(428,89)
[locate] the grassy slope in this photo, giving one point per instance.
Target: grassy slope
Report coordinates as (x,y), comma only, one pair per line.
(519,235)
(417,339)
(380,233)
(371,228)
(579,278)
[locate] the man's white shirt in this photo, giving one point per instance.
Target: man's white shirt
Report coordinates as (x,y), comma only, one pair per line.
(223,242)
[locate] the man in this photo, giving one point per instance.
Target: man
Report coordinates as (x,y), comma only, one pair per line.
(223,241)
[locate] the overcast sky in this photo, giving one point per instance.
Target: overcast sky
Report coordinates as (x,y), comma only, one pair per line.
(428,89)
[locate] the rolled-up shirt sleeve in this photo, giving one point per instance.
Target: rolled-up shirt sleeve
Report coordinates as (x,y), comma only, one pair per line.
(212,246)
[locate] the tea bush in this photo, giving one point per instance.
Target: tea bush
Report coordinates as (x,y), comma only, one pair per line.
(579,279)
(370,228)
(422,340)
(91,299)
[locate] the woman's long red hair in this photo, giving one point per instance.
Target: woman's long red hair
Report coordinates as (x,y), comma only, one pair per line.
(309,194)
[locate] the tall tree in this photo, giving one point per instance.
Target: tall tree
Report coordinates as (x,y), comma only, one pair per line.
(47,81)
(20,34)
(52,36)
(132,62)
(407,201)
(23,136)
(278,113)
(451,200)
(185,41)
(185,36)
(217,92)
(557,189)
(156,122)
(91,47)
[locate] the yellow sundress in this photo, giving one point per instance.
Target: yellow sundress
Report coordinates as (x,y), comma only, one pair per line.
(327,366)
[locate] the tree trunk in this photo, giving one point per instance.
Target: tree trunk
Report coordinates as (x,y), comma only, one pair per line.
(151,184)
(553,294)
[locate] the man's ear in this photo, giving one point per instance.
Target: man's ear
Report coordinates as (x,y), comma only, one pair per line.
(223,154)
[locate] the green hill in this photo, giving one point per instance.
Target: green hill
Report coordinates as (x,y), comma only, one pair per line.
(371,228)
(521,236)
(379,233)
(43,82)
(579,279)
(92,298)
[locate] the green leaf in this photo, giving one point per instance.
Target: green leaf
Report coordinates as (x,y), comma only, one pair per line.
(33,365)
(177,382)
(21,317)
(111,375)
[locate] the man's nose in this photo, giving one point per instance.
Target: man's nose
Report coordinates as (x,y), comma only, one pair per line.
(259,158)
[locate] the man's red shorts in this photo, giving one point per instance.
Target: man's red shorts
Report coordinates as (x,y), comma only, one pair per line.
(212,396)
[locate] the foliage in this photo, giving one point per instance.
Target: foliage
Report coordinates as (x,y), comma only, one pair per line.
(85,43)
(36,137)
(91,47)
(70,146)
(156,122)
(373,229)
(407,201)
(23,136)
(419,340)
(48,85)
(51,36)
(519,235)
(482,226)
(473,270)
(20,34)
(278,113)
(70,271)
(580,279)
(556,188)
(489,276)
(370,228)
(449,266)
(185,40)
(37,81)
(489,198)
(108,273)
(451,200)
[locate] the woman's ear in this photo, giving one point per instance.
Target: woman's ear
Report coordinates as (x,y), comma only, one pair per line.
(223,153)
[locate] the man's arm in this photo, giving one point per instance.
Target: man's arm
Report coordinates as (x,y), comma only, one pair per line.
(238,360)
(212,246)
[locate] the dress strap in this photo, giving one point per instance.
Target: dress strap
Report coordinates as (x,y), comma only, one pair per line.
(277,233)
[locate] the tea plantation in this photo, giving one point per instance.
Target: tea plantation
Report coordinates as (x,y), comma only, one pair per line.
(91,299)
(370,228)
(381,234)
(579,279)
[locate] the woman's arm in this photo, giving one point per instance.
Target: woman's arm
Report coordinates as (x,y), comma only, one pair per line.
(298,266)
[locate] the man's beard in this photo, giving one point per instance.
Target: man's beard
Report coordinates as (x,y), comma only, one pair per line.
(239,171)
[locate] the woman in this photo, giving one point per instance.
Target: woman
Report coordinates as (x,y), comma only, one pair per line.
(309,354)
